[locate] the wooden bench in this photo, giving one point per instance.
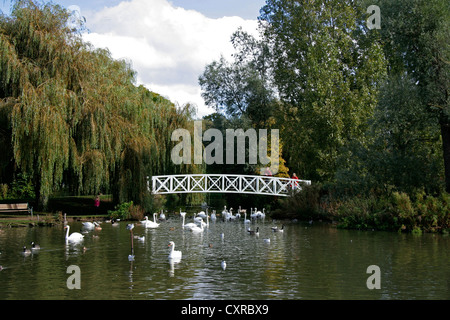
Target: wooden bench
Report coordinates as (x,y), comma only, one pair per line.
(15,207)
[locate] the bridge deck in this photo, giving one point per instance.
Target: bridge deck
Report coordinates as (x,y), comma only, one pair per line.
(223,183)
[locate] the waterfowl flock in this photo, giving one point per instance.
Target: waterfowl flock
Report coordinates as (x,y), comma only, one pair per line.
(198,225)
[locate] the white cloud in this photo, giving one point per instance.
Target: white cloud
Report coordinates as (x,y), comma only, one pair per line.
(169,46)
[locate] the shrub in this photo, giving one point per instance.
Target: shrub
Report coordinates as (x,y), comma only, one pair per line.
(366,213)
(304,204)
(127,211)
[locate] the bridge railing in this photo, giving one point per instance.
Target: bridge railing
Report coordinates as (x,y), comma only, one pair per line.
(225,183)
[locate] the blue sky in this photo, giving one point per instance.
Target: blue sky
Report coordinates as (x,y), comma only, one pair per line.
(168,42)
(247,9)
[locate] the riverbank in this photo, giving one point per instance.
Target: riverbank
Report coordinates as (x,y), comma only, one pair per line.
(43,220)
(74,207)
(397,211)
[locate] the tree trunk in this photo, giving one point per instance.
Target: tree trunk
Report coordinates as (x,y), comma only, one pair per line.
(445,132)
(41,201)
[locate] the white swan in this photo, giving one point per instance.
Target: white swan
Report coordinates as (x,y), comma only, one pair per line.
(225,213)
(223,264)
(144,222)
(252,214)
(202,214)
(238,214)
(150,224)
(188,225)
(74,237)
(90,225)
(245,218)
(263,214)
(139,238)
(197,229)
(231,217)
(174,254)
(198,219)
(204,224)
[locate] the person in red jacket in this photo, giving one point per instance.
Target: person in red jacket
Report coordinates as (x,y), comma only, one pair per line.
(97,201)
(294,184)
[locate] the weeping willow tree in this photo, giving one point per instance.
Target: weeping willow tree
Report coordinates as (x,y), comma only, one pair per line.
(71,114)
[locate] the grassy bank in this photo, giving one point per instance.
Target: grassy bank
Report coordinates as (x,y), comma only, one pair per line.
(75,207)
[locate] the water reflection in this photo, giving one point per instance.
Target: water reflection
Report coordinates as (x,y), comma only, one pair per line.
(303,262)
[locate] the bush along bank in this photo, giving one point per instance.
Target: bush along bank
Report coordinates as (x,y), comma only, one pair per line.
(396,211)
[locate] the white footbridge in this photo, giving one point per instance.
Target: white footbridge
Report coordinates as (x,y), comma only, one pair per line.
(225,183)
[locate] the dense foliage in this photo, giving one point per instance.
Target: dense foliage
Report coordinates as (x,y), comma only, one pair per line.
(72,116)
(363,112)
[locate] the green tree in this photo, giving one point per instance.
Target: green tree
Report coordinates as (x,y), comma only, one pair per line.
(416,41)
(73,114)
(401,150)
(327,68)
(241,87)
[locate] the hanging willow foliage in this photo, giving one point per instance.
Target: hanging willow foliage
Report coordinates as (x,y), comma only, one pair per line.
(74,114)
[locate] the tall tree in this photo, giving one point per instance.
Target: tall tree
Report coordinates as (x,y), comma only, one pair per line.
(327,68)
(241,87)
(416,41)
(74,114)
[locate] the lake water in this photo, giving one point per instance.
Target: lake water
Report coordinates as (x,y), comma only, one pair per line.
(304,262)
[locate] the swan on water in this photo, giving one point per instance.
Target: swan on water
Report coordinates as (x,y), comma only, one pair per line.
(162,216)
(198,219)
(197,229)
(89,225)
(202,214)
(174,254)
(252,214)
(225,213)
(263,214)
(188,225)
(139,238)
(230,216)
(245,218)
(258,213)
(238,214)
(223,264)
(74,237)
(150,224)
(204,224)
